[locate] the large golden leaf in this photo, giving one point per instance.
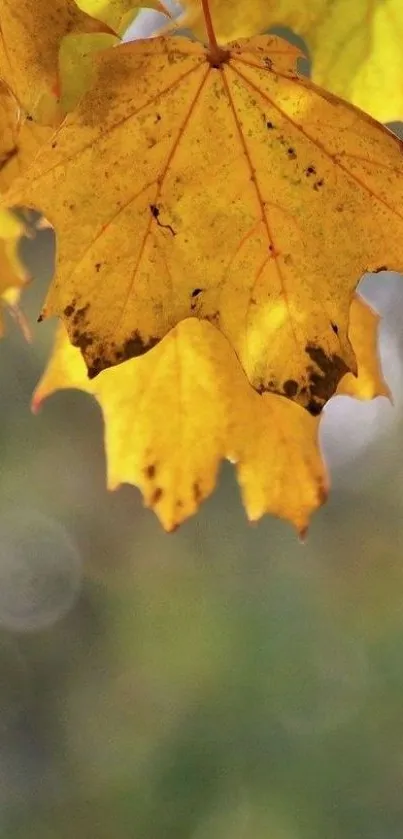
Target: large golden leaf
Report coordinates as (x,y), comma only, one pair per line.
(174,414)
(355,45)
(31,32)
(240,194)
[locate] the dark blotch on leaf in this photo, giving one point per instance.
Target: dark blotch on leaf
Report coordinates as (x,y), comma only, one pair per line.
(324,379)
(197,495)
(136,345)
(156,496)
(314,408)
(291,153)
(290,388)
(335,328)
(82,340)
(150,471)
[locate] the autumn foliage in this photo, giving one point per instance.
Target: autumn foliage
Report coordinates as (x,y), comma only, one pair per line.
(214,211)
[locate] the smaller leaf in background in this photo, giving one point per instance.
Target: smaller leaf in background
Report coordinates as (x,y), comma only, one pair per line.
(363,331)
(118,14)
(29,50)
(355,45)
(356,51)
(13,274)
(173,415)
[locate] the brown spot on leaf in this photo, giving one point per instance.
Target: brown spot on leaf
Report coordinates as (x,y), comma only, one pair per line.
(381,268)
(156,496)
(79,314)
(310,170)
(197,494)
(290,388)
(136,345)
(82,340)
(314,407)
(335,328)
(150,471)
(291,153)
(68,311)
(155,212)
(318,184)
(324,378)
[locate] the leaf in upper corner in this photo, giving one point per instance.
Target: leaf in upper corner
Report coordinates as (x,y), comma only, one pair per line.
(363,331)
(357,53)
(210,412)
(30,38)
(13,274)
(355,46)
(241,195)
(118,14)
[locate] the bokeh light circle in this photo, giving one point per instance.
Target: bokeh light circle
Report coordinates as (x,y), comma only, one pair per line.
(40,571)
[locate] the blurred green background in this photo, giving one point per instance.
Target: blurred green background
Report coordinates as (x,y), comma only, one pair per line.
(222,682)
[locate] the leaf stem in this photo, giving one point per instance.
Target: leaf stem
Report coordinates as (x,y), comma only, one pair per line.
(217,55)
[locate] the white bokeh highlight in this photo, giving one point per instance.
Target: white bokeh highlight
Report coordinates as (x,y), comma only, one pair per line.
(40,571)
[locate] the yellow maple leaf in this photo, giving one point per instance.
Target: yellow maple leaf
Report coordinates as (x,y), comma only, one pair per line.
(239,194)
(118,14)
(30,38)
(13,274)
(210,412)
(355,45)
